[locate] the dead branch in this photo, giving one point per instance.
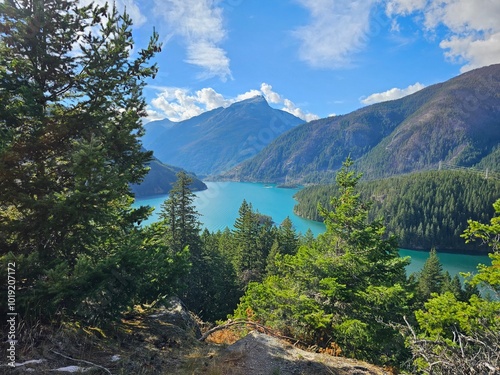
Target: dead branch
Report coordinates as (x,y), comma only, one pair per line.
(82,361)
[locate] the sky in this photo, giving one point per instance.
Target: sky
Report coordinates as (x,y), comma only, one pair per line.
(312,58)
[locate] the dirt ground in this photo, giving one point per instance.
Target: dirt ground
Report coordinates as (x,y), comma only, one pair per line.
(165,342)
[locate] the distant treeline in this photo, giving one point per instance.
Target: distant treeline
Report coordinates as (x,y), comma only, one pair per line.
(424,210)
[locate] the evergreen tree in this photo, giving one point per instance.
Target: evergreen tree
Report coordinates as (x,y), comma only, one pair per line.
(458,336)
(343,288)
(287,237)
(220,289)
(182,232)
(286,242)
(254,237)
(70,120)
(431,277)
(489,234)
(346,223)
(180,216)
(453,285)
(308,238)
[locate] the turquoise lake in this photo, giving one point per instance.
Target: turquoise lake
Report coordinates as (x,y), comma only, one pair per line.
(219,204)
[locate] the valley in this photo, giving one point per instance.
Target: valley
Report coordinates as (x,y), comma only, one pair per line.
(449,126)
(218,207)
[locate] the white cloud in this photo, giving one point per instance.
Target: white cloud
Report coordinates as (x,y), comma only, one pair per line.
(179,104)
(473,25)
(152,115)
(133,10)
(245,95)
(392,94)
(338,28)
(130,6)
(200,24)
(404,7)
(476,52)
(290,107)
(271,96)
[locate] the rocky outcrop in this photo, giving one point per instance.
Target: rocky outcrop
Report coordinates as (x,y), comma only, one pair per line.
(176,313)
(261,354)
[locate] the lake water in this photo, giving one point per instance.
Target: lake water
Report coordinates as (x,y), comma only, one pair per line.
(219,204)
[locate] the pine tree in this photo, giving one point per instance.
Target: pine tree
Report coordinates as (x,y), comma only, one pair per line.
(182,232)
(180,216)
(70,120)
(219,290)
(71,116)
(287,237)
(346,223)
(430,279)
(254,237)
(346,287)
(452,285)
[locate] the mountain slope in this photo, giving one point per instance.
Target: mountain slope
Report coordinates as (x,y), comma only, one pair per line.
(459,126)
(217,140)
(160,179)
(456,122)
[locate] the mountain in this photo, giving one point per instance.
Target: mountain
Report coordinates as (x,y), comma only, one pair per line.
(456,122)
(217,140)
(161,178)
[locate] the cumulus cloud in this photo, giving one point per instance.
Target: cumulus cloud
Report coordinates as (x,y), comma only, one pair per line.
(152,115)
(475,52)
(179,104)
(474,30)
(290,107)
(338,28)
(392,94)
(200,24)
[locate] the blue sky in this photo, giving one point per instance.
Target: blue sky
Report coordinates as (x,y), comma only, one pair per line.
(313,58)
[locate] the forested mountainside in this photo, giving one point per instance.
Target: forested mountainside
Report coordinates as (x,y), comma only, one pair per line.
(217,140)
(455,122)
(423,209)
(160,180)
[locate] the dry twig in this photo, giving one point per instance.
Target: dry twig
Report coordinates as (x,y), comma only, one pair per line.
(82,361)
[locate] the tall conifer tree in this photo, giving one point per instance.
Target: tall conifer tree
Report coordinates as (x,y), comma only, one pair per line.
(181,217)
(431,278)
(70,120)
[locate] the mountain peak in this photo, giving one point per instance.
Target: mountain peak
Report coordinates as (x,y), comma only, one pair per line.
(257,99)
(217,140)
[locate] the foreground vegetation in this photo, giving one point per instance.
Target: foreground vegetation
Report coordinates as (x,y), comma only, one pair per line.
(69,150)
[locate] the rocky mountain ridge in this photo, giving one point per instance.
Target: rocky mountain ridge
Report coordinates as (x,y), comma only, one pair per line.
(217,140)
(455,122)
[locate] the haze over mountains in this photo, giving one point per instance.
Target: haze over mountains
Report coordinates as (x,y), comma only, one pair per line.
(455,122)
(216,141)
